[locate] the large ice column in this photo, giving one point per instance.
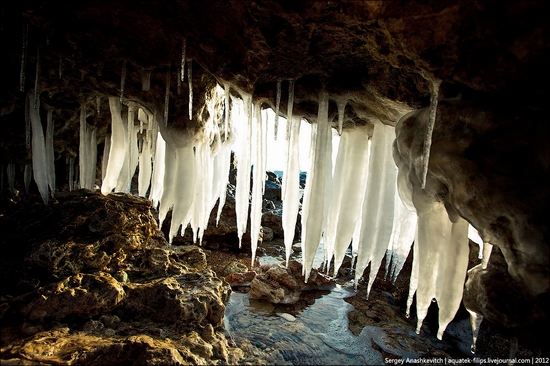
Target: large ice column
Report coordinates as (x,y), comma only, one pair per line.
(291,185)
(404,227)
(50,157)
(442,260)
(259,151)
(347,196)
(242,155)
(377,211)
(39,163)
(313,209)
(119,147)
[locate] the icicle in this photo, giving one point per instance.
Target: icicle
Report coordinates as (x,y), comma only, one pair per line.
(130,138)
(167,97)
(157,180)
(118,148)
(475,322)
(487,249)
(290,106)
(71,174)
(105,158)
(227,107)
(242,154)
(27,123)
(24,58)
(277,106)
(98,104)
(122,80)
(83,152)
(146,80)
(11,176)
(183,52)
(341,104)
(347,196)
(259,131)
(144,177)
(39,164)
(435,83)
(50,157)
(291,185)
(27,177)
(377,211)
(313,209)
(92,157)
(36,102)
(190,82)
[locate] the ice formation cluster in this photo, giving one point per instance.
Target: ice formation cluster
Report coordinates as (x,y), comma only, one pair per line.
(357,199)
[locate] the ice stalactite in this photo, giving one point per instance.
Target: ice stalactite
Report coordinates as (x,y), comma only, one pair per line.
(144,177)
(435,83)
(122,80)
(124,183)
(404,227)
(157,178)
(475,323)
(36,95)
(341,104)
(39,163)
(11,176)
(190,85)
(473,235)
(313,209)
(118,148)
(87,152)
(377,211)
(227,109)
(50,157)
(291,185)
(442,259)
(168,184)
(487,249)
(98,104)
(23,70)
(27,177)
(222,164)
(105,158)
(146,80)
(290,106)
(183,56)
(167,97)
(277,106)
(347,196)
(244,136)
(259,151)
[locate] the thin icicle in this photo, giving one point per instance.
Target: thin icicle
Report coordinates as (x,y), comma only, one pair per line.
(39,164)
(105,158)
(341,104)
(22,73)
(242,154)
(36,102)
(146,80)
(259,132)
(98,104)
(313,209)
(157,181)
(122,80)
(167,97)
(144,177)
(291,185)
(50,158)
(183,52)
(475,323)
(487,249)
(190,82)
(83,152)
(290,106)
(227,106)
(27,177)
(435,83)
(277,106)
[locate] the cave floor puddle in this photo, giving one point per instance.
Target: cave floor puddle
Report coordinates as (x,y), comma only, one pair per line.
(318,334)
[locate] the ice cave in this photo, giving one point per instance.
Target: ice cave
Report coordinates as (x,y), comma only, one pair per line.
(275,182)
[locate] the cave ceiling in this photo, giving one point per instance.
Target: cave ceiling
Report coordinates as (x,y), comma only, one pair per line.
(379,55)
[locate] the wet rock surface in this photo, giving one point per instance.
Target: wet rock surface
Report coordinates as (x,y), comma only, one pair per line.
(100,285)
